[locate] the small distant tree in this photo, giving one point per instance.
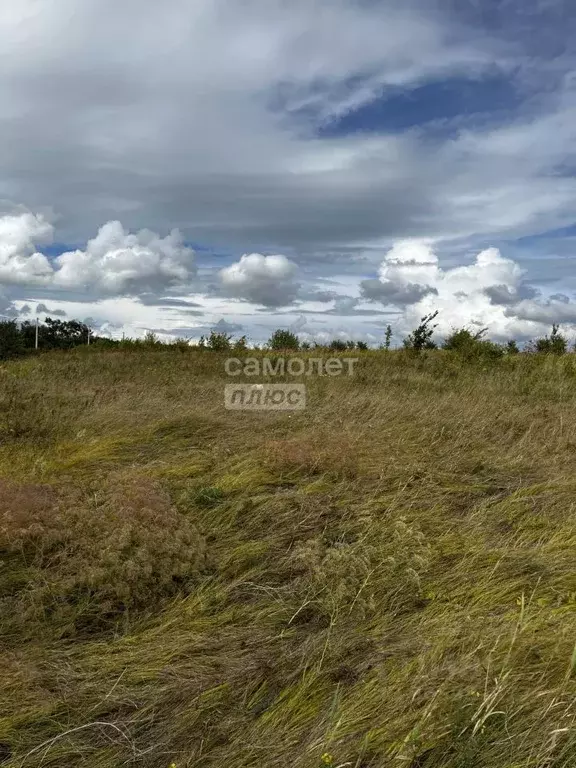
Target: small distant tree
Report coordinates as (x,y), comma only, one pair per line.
(337,345)
(361,345)
(512,348)
(11,340)
(387,337)
(472,345)
(421,337)
(219,342)
(283,339)
(241,344)
(151,340)
(305,345)
(103,342)
(181,343)
(462,339)
(555,344)
(28,333)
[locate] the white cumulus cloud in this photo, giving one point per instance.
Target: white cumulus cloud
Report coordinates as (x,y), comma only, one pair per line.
(20,262)
(115,262)
(266,280)
(489,293)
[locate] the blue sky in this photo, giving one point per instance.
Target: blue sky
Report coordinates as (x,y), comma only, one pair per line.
(440,108)
(327,165)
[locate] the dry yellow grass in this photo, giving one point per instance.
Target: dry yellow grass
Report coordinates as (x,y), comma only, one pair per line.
(384,579)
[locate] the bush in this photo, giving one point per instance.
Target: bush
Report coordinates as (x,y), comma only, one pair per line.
(472,346)
(512,348)
(151,340)
(555,344)
(283,339)
(101,342)
(219,342)
(241,344)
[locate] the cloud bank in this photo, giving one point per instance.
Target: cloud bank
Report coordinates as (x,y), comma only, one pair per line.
(246,162)
(491,292)
(114,263)
(119,275)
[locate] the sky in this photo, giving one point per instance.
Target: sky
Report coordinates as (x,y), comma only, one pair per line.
(327,166)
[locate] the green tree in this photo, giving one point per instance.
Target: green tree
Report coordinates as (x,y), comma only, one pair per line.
(219,342)
(151,340)
(421,337)
(555,344)
(241,344)
(283,339)
(387,337)
(11,340)
(512,347)
(62,334)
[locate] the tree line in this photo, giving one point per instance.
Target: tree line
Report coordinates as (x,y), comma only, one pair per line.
(464,341)
(21,338)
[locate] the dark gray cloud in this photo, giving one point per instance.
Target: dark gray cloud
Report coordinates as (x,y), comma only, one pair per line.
(560,297)
(504,295)
(390,293)
(145,141)
(546,313)
(42,309)
(167,301)
(223,326)
(324,297)
(181,312)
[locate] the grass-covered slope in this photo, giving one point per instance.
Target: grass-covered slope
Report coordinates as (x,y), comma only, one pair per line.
(387,578)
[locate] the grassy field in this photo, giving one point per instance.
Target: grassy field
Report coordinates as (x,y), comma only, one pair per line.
(387,578)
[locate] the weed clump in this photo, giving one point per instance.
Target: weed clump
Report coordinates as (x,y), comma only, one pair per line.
(379,572)
(82,562)
(313,454)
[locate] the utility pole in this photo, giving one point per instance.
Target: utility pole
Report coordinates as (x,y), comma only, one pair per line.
(89,332)
(36,338)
